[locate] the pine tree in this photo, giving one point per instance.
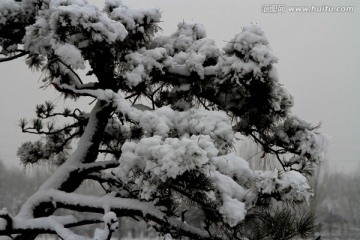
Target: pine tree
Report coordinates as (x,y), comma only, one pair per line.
(166,110)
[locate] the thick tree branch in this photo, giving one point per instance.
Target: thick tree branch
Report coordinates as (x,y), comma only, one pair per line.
(97,166)
(21,54)
(47,224)
(121,206)
(66,177)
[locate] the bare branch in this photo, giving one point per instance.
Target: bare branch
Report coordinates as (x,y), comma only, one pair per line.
(72,70)
(65,88)
(28,130)
(21,54)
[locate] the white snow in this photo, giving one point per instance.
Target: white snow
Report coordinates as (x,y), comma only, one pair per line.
(298,186)
(292,186)
(300,133)
(250,36)
(90,18)
(9,10)
(111,224)
(70,54)
(133,18)
(267,180)
(44,35)
(194,63)
(141,63)
(233,211)
(162,159)
(235,167)
(227,186)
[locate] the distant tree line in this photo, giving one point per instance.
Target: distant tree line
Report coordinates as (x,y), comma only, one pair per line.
(336,203)
(336,200)
(15,186)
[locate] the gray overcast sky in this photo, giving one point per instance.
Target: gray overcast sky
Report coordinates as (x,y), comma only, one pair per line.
(319,56)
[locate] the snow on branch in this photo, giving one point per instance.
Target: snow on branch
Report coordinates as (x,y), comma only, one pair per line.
(120,206)
(111,224)
(97,166)
(162,120)
(63,232)
(7,224)
(51,224)
(67,174)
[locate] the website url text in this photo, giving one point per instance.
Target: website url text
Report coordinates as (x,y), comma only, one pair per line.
(282,8)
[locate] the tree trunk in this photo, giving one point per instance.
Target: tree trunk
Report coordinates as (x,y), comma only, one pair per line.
(66,178)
